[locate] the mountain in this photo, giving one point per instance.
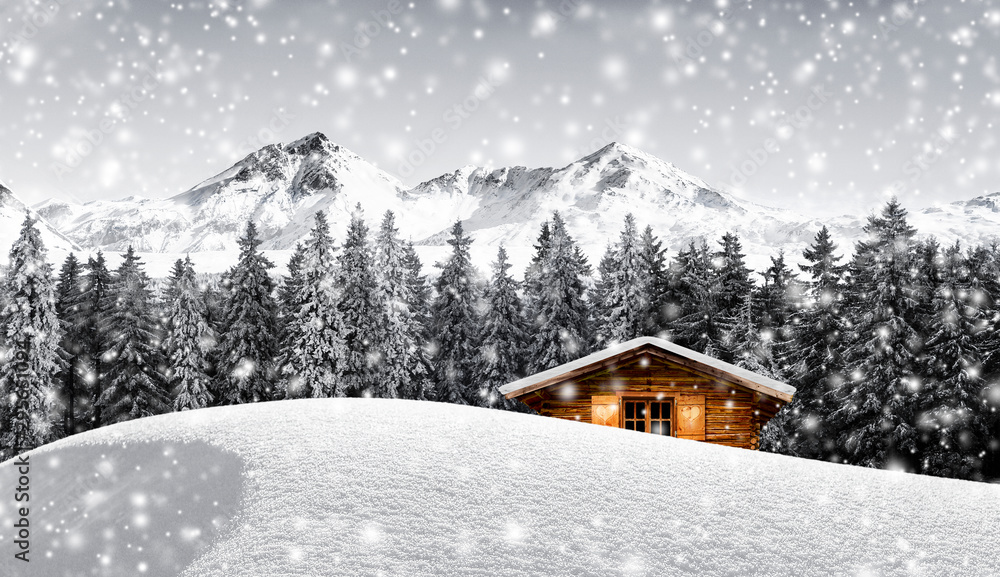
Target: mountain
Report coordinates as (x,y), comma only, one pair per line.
(281,186)
(323,487)
(12,212)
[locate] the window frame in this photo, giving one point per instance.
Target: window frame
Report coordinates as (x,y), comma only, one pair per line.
(647,397)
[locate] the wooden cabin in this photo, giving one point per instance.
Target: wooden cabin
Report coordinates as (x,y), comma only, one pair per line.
(652,385)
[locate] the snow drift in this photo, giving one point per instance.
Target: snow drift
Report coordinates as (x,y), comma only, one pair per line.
(392,487)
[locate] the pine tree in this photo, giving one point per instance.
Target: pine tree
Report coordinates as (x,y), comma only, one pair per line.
(504,337)
(288,303)
(72,389)
(804,427)
(560,322)
(878,404)
(654,263)
(747,349)
(778,298)
(94,317)
(29,378)
(362,312)
(455,323)
(420,306)
(290,291)
(403,372)
(248,343)
(314,353)
(174,279)
(951,417)
(624,307)
(188,340)
(733,275)
(135,385)
(533,274)
(696,287)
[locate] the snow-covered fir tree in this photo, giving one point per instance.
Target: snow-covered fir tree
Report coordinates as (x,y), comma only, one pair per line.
(249,328)
(746,346)
(778,298)
(420,307)
(188,340)
(73,390)
(455,323)
(733,273)
(135,384)
(624,306)
(804,427)
(560,321)
(952,420)
(878,401)
(654,263)
(93,315)
(403,374)
(29,377)
(533,274)
(694,291)
(314,352)
(504,337)
(290,289)
(362,312)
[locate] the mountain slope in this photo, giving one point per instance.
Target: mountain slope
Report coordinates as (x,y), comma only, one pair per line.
(12,213)
(281,186)
(374,486)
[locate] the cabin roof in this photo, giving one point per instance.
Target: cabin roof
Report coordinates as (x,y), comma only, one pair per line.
(738,375)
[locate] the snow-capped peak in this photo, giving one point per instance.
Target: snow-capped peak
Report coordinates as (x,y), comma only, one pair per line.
(988,201)
(617,155)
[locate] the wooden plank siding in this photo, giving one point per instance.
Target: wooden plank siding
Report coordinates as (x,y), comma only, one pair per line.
(733,413)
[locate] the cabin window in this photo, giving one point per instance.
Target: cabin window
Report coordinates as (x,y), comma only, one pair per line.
(651,416)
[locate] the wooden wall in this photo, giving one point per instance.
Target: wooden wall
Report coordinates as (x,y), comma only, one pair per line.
(733,413)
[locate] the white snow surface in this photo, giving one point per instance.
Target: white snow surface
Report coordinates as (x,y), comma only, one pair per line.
(663,344)
(393,487)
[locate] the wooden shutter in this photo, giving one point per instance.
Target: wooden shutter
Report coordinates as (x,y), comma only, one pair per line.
(691,417)
(604,410)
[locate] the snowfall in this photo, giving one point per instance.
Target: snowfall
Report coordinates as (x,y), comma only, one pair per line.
(393,487)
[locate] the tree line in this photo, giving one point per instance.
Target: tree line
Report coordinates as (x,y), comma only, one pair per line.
(893,353)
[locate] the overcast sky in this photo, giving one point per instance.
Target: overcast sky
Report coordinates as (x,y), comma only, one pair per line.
(823,107)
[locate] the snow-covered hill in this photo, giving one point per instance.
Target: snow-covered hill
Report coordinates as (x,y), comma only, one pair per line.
(12,213)
(393,487)
(281,186)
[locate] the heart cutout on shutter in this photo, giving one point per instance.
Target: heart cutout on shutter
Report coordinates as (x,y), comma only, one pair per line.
(690,413)
(604,412)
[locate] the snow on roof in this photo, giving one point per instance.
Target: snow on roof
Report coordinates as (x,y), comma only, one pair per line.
(364,486)
(663,344)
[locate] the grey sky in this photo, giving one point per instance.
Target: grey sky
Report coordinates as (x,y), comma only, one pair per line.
(859,98)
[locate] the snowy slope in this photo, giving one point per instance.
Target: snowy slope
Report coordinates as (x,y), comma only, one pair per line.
(12,213)
(392,487)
